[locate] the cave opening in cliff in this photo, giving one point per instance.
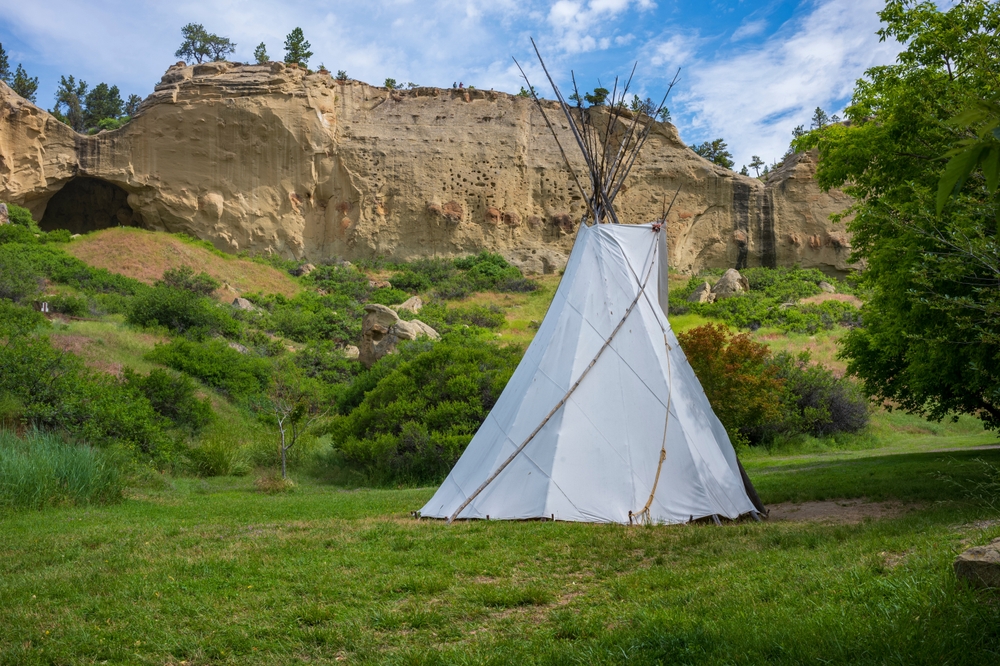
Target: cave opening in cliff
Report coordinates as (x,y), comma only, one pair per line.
(88,204)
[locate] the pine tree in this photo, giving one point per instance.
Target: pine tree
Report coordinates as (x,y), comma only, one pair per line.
(819,119)
(715,152)
(4,66)
(756,163)
(798,131)
(744,171)
(260,54)
(24,85)
(69,102)
(102,102)
(132,105)
(199,44)
(297,48)
(193,47)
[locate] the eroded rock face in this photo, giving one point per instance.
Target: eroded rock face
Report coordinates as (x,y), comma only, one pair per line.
(269,158)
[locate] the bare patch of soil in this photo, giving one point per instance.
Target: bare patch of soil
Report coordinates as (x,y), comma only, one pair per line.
(78,346)
(845,298)
(837,511)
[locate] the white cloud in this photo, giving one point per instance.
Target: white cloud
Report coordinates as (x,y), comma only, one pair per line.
(753,99)
(749,29)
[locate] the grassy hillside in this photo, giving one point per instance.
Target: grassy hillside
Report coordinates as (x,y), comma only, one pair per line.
(145,255)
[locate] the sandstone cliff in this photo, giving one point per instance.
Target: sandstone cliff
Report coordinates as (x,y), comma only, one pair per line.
(271,158)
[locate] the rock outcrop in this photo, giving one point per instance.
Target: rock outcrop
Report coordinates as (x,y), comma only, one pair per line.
(382,329)
(730,284)
(980,566)
(270,158)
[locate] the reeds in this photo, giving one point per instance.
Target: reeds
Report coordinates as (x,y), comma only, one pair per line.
(40,469)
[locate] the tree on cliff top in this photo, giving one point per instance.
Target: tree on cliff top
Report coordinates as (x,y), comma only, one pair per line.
(931,336)
(297,48)
(69,102)
(103,101)
(24,85)
(199,44)
(4,66)
(260,54)
(715,152)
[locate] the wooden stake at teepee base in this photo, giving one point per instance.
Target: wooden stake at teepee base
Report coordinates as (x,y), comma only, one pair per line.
(608,160)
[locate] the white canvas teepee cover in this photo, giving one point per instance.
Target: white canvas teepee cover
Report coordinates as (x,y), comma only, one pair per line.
(596,455)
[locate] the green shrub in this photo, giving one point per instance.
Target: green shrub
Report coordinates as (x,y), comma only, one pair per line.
(311,316)
(817,402)
(239,376)
(759,397)
(56,391)
(202,284)
(442,318)
(19,281)
(172,397)
(42,470)
(388,296)
(181,311)
(458,278)
(773,302)
(73,306)
(21,217)
(410,416)
(326,362)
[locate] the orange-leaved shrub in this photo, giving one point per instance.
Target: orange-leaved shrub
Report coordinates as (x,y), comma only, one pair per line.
(738,377)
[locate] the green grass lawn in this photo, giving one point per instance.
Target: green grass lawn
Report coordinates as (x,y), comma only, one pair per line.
(210,571)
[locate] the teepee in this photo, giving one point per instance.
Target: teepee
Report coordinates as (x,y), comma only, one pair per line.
(604,419)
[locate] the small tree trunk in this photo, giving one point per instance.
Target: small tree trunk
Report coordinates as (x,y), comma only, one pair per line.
(283,449)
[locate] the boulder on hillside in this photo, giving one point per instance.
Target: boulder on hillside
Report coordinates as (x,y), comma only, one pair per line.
(243,304)
(826,287)
(352,352)
(382,329)
(379,284)
(730,284)
(702,294)
(980,566)
(303,270)
(412,304)
(4,215)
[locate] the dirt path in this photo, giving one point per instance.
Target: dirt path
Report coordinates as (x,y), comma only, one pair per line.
(838,511)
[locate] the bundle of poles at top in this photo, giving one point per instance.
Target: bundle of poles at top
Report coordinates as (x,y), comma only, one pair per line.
(608,161)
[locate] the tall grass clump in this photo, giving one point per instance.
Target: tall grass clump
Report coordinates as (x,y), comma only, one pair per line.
(41,470)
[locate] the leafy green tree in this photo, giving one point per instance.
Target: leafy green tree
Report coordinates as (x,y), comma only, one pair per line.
(598,97)
(132,105)
(193,47)
(24,85)
(200,45)
(931,330)
(70,96)
(260,54)
(297,48)
(4,66)
(103,101)
(715,152)
(756,163)
(391,84)
(291,404)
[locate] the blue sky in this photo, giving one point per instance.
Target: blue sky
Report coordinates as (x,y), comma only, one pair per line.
(750,71)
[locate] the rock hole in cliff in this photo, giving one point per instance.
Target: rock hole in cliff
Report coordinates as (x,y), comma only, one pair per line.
(88,204)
